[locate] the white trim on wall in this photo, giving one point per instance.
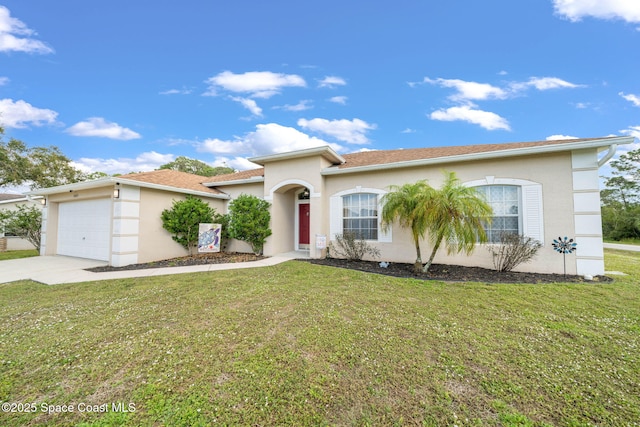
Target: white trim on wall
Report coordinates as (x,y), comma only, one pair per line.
(126,226)
(586,212)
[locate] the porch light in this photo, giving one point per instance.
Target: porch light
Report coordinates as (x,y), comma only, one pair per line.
(116,193)
(43,201)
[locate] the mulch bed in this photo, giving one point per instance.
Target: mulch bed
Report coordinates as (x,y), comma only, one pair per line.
(198,259)
(455,273)
(448,273)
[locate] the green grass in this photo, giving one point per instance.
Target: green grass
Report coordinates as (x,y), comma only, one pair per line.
(18,254)
(299,344)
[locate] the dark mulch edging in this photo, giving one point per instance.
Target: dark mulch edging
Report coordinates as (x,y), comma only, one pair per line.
(455,273)
(199,259)
(448,273)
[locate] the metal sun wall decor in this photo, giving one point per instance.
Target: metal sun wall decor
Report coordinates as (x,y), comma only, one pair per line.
(564,246)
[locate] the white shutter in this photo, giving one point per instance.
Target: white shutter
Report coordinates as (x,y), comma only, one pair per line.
(532,212)
(335,216)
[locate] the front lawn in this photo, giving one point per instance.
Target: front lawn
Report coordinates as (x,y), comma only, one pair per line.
(301,344)
(18,254)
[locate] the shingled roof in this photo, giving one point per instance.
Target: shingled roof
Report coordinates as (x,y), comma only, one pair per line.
(236,176)
(171,178)
(381,157)
(389,157)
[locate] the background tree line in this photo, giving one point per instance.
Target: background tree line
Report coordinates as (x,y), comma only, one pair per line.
(621,198)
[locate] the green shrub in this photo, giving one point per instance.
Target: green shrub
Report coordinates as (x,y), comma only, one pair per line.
(249,221)
(184,218)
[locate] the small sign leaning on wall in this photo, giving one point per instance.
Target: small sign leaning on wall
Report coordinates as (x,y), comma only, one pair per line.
(209,237)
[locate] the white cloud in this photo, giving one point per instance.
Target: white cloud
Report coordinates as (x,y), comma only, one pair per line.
(350,131)
(15,36)
(408,130)
(182,91)
(575,10)
(4,81)
(97,126)
(258,84)
(559,137)
(331,82)
(467,113)
(633,131)
(249,104)
(303,105)
(268,138)
(469,90)
(18,114)
(237,163)
(147,161)
(339,100)
(545,83)
(634,99)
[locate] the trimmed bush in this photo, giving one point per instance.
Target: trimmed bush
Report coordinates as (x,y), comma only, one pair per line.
(350,247)
(513,250)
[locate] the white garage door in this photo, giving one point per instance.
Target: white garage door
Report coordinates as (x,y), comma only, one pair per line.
(84,229)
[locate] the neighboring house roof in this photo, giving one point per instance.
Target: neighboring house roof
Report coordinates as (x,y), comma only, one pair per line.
(13,198)
(5,197)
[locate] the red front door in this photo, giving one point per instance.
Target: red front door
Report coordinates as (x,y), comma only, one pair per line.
(303,220)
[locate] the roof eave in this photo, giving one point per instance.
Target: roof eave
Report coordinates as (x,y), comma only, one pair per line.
(324,151)
(243,181)
(104,182)
(599,143)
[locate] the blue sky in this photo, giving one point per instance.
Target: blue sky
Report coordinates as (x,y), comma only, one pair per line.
(124,86)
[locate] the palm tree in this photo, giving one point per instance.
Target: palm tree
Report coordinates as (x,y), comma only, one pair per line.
(408,205)
(455,216)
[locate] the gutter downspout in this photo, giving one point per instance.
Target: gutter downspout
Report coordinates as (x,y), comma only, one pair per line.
(609,155)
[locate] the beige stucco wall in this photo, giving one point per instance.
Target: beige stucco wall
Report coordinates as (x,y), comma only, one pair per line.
(154,242)
(283,179)
(552,171)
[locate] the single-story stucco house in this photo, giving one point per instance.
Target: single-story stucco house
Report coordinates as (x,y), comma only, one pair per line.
(542,189)
(8,241)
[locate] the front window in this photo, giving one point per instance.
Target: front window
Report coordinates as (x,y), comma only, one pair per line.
(505,202)
(360,215)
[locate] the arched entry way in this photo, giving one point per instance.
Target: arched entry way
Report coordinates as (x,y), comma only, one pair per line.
(291,216)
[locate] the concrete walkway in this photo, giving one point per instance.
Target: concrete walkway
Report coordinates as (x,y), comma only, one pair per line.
(622,247)
(53,270)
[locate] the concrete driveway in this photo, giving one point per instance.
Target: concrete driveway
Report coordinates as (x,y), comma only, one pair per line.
(44,268)
(53,270)
(622,247)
